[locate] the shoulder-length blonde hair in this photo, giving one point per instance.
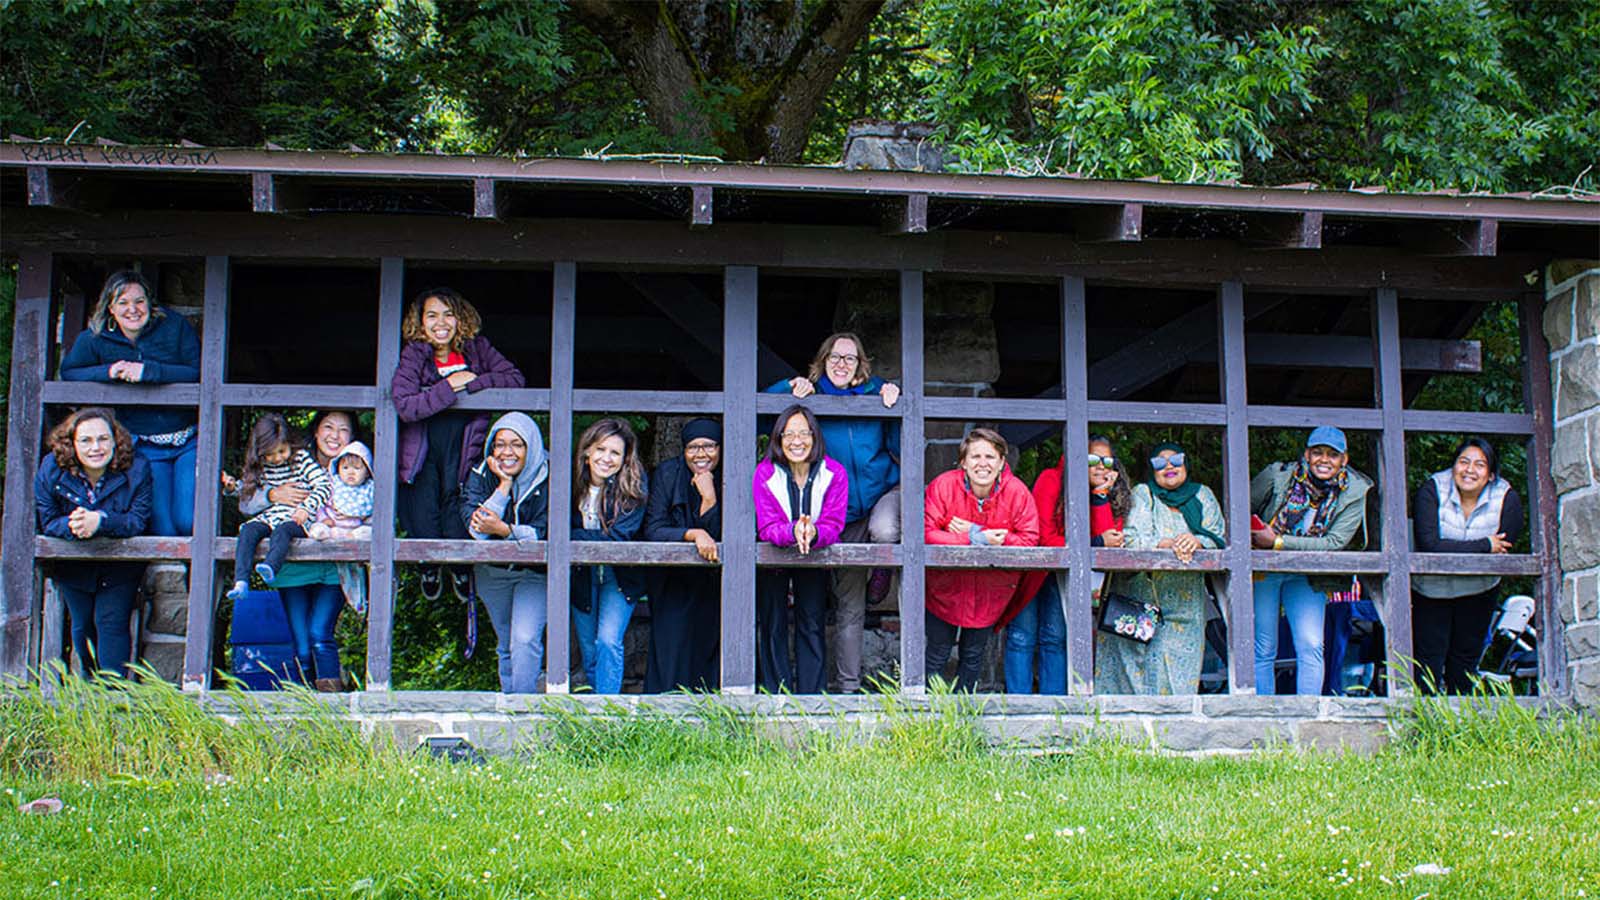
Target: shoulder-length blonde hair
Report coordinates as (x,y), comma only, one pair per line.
(116,283)
(63,440)
(819,365)
(467,319)
(624,491)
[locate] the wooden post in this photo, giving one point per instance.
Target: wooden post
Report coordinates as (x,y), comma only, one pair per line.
(1238,598)
(558,630)
(1544,527)
(913,576)
(1075,498)
(738,467)
(386,449)
(24,430)
(1392,489)
(208,468)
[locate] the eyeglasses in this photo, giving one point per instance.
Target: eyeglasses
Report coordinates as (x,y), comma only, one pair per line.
(796,435)
(698,449)
(847,359)
(1108,462)
(1176,460)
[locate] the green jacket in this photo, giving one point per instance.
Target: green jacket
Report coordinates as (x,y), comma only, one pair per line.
(1347,531)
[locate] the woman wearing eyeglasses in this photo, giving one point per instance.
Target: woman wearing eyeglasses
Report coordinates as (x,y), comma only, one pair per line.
(800,497)
(685,504)
(1036,620)
(1467,508)
(1168,512)
(869,451)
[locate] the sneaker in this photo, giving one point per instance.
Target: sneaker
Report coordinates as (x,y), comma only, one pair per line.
(878,586)
(265,572)
(432,584)
(237,592)
(461,583)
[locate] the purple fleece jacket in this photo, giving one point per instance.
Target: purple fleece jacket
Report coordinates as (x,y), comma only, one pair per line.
(419,392)
(774,520)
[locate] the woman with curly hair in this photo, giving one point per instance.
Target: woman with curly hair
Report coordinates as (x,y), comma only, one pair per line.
(444,356)
(91,484)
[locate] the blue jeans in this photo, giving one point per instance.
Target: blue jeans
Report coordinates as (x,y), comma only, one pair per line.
(600,631)
(515,599)
(171,486)
(313,611)
(1304,606)
(101,635)
(1041,627)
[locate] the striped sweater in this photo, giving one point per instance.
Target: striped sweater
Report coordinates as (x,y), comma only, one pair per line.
(301,468)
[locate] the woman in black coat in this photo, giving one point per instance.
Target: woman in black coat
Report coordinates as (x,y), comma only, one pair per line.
(685,601)
(92,485)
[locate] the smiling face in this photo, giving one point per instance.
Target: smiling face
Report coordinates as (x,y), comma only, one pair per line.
(982,463)
(130,310)
(1325,462)
(1172,476)
(438,323)
(1101,478)
(332,434)
(1471,471)
(352,470)
(510,451)
(844,360)
(94,445)
(797,439)
(278,455)
(702,455)
(605,458)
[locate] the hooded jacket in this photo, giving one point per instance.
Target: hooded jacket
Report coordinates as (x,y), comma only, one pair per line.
(527,508)
(349,506)
(420,392)
(976,598)
(634,582)
(866,448)
(774,518)
(170,351)
(123,500)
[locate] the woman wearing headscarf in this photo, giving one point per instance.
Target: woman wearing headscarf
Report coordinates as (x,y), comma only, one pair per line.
(685,504)
(505,498)
(1169,511)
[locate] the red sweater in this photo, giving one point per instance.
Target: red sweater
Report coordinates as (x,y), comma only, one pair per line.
(975,598)
(1052,533)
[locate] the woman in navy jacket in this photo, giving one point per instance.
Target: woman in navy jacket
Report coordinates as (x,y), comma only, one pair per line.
(131,339)
(608,499)
(92,485)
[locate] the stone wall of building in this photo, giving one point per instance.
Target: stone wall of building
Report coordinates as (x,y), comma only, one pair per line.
(1572,327)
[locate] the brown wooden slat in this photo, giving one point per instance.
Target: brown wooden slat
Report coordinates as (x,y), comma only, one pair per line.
(700,206)
(30,339)
(913,578)
(87,393)
(563,327)
(1392,488)
(1075,444)
(1238,595)
(1543,510)
(1314,562)
(385,435)
(738,551)
(905,214)
(208,466)
(1120,223)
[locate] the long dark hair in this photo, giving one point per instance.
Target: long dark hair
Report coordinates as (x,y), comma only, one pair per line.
(1121,494)
(624,491)
(1489,456)
(775,442)
(269,431)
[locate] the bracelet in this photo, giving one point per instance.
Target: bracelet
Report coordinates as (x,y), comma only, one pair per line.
(1277,542)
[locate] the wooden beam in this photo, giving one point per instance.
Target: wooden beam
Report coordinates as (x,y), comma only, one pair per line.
(1392,489)
(1470,237)
(1543,511)
(270,193)
(738,553)
(30,341)
(913,579)
(701,206)
(1075,443)
(488,199)
(197,662)
(52,187)
(1116,223)
(905,214)
(1237,596)
(386,439)
(558,629)
(1285,231)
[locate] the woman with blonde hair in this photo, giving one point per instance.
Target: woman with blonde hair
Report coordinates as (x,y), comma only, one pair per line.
(608,497)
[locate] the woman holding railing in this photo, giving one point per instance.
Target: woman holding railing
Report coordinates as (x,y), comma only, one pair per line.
(685,601)
(608,496)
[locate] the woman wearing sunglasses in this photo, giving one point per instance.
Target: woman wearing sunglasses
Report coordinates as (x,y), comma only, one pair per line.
(1168,512)
(1036,621)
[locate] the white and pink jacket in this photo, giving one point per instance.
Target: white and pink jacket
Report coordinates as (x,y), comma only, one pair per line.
(830,497)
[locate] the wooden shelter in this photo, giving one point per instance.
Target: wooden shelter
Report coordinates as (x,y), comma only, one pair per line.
(1227,296)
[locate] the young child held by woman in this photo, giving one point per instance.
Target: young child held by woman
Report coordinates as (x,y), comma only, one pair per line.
(347,514)
(273,458)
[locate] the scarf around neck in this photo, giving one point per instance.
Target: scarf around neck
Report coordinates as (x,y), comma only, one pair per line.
(1184,498)
(1307,495)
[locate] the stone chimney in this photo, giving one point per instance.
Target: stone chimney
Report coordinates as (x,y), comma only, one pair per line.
(895,146)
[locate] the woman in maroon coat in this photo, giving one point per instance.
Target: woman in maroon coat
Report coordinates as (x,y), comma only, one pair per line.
(983,504)
(444,356)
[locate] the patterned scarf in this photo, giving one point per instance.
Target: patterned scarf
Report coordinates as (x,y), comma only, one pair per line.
(1306,494)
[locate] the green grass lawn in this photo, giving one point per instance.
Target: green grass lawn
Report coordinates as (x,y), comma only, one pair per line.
(164,801)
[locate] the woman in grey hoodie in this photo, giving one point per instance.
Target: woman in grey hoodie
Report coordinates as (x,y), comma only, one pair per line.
(505,497)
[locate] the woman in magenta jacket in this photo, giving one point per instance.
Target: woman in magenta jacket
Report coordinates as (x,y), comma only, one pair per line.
(800,497)
(982,504)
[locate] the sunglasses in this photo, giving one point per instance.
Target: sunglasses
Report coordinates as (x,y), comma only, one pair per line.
(1161,462)
(1109,462)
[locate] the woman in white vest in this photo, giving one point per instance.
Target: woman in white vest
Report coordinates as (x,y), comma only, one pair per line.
(1467,508)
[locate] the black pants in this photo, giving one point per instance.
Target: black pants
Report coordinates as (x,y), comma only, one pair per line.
(772,629)
(101,638)
(685,634)
(278,539)
(430,506)
(942,636)
(1447,638)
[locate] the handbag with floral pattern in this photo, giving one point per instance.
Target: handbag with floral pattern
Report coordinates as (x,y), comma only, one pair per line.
(1126,617)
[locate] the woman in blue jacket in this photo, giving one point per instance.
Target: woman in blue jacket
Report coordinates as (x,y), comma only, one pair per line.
(608,500)
(131,339)
(869,450)
(92,485)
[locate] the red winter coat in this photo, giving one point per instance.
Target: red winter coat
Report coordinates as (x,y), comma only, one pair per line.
(975,598)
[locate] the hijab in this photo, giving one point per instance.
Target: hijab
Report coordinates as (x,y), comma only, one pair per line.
(1185,498)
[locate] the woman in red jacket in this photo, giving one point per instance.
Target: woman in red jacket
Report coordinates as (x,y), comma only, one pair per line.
(981,503)
(1035,622)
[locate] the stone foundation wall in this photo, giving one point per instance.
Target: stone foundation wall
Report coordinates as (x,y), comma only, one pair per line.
(1572,327)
